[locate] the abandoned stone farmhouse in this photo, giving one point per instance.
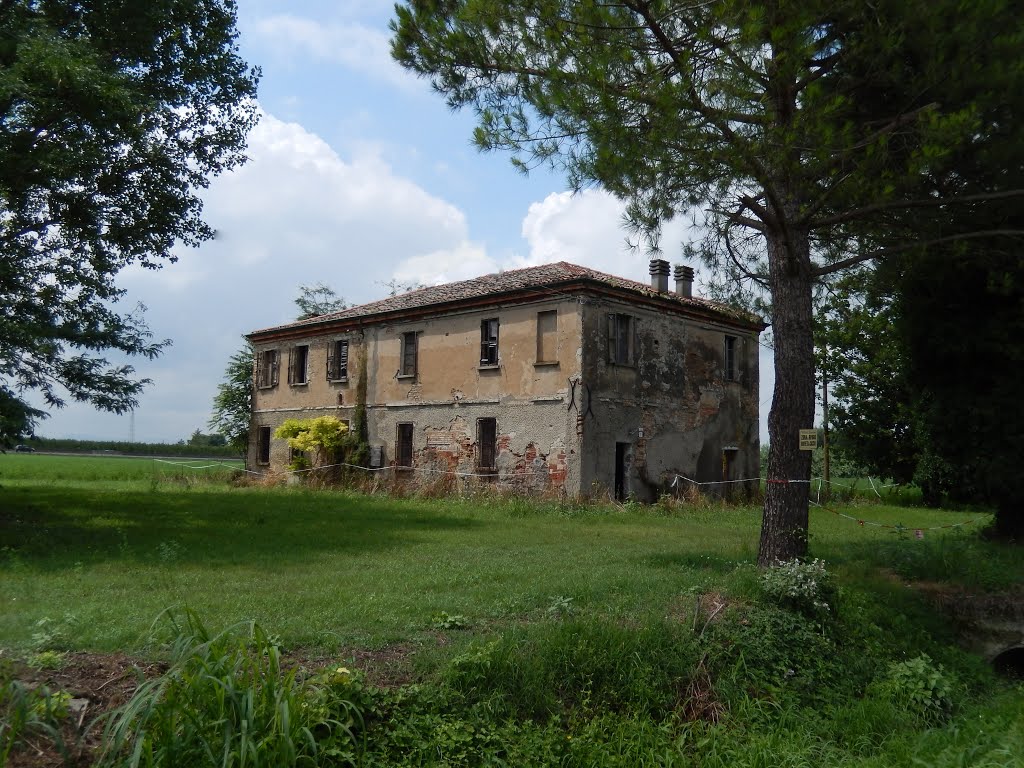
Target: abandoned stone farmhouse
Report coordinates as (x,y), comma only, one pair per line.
(555,377)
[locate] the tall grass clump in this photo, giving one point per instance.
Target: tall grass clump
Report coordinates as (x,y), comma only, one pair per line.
(226,700)
(592,664)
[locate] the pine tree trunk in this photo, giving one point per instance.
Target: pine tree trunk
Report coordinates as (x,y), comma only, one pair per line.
(784,522)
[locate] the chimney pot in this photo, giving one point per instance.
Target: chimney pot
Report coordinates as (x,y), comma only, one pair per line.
(684,281)
(659,275)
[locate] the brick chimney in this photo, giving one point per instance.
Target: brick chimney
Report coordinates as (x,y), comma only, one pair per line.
(684,281)
(659,275)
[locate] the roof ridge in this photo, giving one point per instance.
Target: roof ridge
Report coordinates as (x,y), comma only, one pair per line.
(537,276)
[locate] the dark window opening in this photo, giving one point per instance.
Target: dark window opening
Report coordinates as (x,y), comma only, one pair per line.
(409,344)
(547,339)
(487,443)
(731,372)
(337,361)
(620,339)
(403,447)
(489,342)
(298,365)
(266,369)
(263,445)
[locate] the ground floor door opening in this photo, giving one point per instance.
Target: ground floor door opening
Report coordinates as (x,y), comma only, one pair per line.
(621,451)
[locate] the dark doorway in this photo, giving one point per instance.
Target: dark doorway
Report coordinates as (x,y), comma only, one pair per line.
(729,472)
(487,445)
(403,447)
(621,451)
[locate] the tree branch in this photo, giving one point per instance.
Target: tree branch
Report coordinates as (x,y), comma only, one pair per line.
(903,204)
(881,253)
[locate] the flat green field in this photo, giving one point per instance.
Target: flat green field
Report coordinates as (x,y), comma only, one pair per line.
(100,546)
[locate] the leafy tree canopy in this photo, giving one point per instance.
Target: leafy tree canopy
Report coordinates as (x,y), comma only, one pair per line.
(232,405)
(792,128)
(113,114)
(317,299)
(322,436)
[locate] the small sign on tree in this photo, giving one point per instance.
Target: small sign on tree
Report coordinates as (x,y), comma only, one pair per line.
(808,439)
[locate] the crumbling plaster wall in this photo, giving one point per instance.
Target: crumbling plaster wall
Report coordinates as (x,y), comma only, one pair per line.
(673,406)
(452,390)
(536,434)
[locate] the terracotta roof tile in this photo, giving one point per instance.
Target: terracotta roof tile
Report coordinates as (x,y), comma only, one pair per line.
(545,276)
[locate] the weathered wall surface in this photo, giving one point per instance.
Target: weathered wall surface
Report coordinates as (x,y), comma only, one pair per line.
(672,407)
(583,422)
(448,393)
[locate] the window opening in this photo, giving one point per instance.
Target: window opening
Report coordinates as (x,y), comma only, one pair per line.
(409,343)
(298,365)
(730,358)
(267,369)
(547,323)
(620,339)
(337,361)
(489,342)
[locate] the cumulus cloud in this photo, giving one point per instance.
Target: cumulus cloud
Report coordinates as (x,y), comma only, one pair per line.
(588,228)
(355,46)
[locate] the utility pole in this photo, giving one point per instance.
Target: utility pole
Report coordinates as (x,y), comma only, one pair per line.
(825,475)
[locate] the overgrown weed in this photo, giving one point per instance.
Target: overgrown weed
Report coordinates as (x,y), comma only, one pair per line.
(226,700)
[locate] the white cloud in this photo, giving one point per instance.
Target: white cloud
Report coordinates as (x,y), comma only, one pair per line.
(588,228)
(362,49)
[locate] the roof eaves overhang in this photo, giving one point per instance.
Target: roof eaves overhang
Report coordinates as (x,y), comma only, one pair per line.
(575,288)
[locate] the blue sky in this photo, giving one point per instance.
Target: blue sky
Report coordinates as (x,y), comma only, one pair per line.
(359,174)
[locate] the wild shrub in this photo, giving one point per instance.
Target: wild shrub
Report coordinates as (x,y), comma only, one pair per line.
(765,650)
(920,687)
(226,700)
(804,587)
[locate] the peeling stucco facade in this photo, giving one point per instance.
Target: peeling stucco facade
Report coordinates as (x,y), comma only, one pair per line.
(568,416)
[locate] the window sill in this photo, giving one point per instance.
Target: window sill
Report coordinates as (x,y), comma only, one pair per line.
(546,364)
(489,367)
(299,384)
(266,386)
(338,381)
(405,376)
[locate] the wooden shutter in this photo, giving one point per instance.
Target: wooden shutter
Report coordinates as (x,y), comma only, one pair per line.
(343,359)
(331,362)
(275,368)
(291,365)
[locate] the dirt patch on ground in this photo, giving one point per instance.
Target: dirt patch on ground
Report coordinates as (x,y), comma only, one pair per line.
(97,683)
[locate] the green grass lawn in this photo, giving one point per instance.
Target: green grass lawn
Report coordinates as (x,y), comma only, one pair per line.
(101,546)
(539,633)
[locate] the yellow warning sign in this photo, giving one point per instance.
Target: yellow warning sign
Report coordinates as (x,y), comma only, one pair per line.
(808,439)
